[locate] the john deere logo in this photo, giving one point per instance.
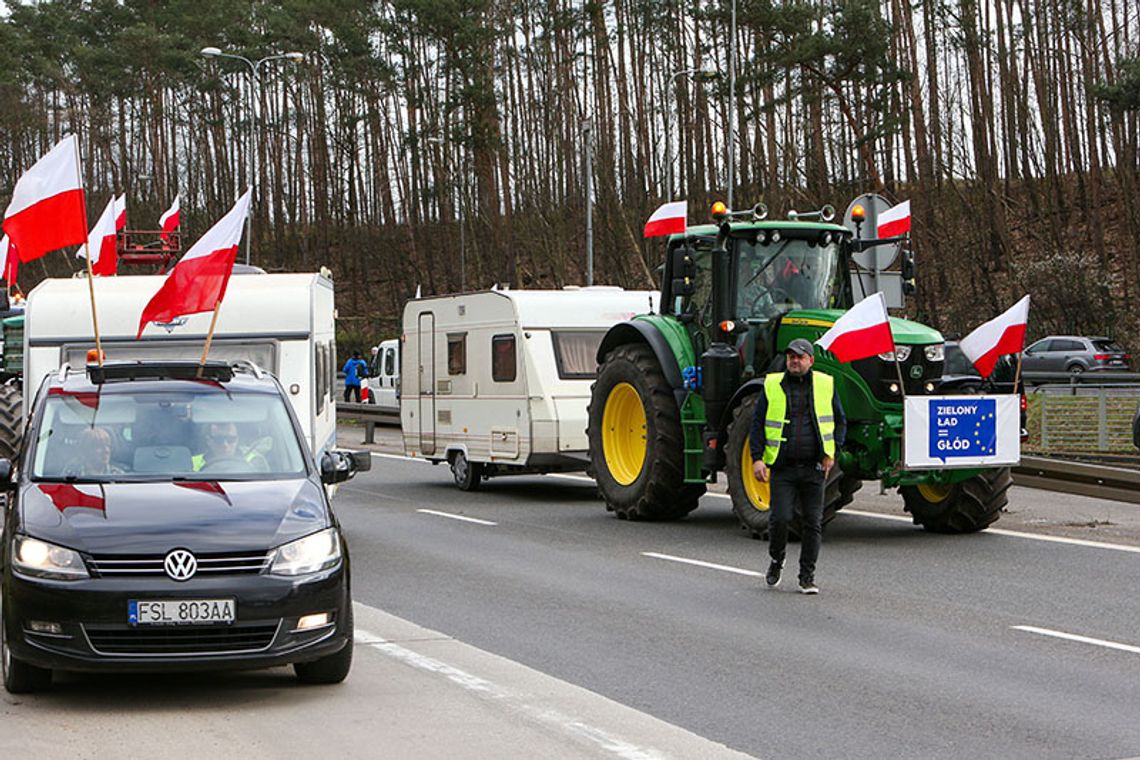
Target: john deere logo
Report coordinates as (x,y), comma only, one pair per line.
(916,372)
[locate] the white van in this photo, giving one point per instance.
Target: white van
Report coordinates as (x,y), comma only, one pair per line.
(498,382)
(384,377)
(283,323)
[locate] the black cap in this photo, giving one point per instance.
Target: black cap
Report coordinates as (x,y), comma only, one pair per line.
(801,347)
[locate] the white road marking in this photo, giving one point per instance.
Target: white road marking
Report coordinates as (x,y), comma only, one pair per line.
(456,517)
(490,691)
(880,516)
(700,563)
(1075,637)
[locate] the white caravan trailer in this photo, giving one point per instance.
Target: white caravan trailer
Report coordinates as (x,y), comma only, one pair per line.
(384,378)
(283,323)
(498,382)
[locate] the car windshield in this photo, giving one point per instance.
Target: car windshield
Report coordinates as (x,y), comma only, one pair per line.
(194,431)
(778,277)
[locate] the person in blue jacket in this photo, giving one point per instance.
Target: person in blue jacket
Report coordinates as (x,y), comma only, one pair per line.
(354,370)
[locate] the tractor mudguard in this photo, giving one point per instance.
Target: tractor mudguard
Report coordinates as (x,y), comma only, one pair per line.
(753,386)
(645,331)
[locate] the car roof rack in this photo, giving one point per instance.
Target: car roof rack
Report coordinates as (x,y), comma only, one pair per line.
(248,366)
(122,371)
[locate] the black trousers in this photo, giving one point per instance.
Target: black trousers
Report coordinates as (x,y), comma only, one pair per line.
(351,390)
(796,486)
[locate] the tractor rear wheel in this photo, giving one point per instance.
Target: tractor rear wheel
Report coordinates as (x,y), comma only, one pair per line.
(636,442)
(751,499)
(11,420)
(965,507)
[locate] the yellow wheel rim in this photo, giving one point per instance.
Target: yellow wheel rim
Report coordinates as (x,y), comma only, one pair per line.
(934,492)
(623,434)
(759,493)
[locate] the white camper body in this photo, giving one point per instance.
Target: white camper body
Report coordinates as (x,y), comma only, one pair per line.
(384,378)
(283,323)
(498,382)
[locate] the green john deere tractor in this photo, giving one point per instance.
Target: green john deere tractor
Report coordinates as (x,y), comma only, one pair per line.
(675,392)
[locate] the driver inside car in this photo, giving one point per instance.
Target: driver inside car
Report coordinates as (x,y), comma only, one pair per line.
(222,447)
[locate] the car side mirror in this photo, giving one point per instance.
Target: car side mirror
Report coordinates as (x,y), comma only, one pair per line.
(338,466)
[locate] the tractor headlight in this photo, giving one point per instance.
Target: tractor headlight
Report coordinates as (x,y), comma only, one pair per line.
(31,556)
(934,353)
(310,554)
(902,353)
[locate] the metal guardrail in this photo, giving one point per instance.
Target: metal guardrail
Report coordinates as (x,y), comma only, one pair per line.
(371,414)
(1081,478)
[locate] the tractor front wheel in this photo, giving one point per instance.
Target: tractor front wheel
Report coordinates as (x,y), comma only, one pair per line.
(636,443)
(11,420)
(751,499)
(965,507)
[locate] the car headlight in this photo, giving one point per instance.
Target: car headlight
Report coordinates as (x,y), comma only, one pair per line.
(310,554)
(934,353)
(902,352)
(31,556)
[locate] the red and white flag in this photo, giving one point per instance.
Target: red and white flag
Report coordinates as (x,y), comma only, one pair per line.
(101,243)
(865,330)
(48,209)
(669,219)
(894,221)
(9,260)
(120,212)
(198,281)
(169,220)
(1004,334)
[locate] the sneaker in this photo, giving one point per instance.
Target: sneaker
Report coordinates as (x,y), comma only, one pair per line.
(773,576)
(807,586)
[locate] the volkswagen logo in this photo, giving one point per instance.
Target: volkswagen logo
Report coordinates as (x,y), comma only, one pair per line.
(180,565)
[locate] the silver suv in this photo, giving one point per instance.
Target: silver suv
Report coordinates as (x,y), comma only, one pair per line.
(1074,354)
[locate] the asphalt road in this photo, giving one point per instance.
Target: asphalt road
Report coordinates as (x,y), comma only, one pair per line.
(919,645)
(525,621)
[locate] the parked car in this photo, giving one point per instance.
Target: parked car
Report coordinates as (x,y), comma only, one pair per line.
(1074,354)
(161,519)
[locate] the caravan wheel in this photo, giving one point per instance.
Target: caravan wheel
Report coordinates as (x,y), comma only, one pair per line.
(468,475)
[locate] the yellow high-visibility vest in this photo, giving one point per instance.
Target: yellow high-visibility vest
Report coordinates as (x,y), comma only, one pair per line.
(823,386)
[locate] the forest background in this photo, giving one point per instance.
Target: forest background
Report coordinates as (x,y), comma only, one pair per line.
(441,144)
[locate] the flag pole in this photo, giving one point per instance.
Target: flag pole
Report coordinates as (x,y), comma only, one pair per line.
(898,369)
(87,252)
(209,337)
(1017,374)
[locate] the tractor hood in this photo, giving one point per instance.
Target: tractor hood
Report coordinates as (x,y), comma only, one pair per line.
(905,331)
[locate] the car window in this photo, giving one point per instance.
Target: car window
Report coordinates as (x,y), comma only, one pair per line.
(956,362)
(1109,346)
(1041,345)
(1072,345)
(201,431)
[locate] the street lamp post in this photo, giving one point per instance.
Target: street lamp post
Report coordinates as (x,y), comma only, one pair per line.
(254,91)
(671,190)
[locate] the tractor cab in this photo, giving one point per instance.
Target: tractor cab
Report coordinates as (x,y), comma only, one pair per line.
(771,269)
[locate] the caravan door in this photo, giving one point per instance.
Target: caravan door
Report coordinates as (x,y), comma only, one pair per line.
(426,381)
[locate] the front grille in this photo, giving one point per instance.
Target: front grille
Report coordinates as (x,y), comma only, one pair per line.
(879,375)
(126,565)
(182,640)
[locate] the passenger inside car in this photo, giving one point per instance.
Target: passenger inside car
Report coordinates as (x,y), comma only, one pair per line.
(94,458)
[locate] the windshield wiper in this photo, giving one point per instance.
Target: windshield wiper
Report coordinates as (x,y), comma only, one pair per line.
(767,263)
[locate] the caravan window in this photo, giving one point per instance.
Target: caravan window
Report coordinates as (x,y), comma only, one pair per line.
(503,358)
(457,354)
(575,352)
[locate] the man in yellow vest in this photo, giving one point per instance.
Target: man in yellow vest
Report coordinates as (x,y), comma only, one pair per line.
(798,428)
